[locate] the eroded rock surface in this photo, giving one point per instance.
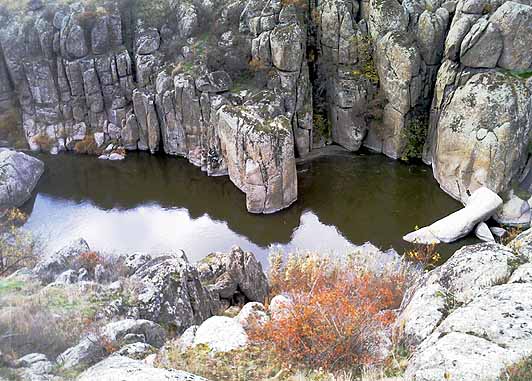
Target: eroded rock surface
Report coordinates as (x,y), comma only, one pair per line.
(470,318)
(19,174)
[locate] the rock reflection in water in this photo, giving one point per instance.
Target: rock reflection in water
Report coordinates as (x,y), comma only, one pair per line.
(157,203)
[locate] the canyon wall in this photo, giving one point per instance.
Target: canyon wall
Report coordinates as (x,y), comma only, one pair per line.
(244,87)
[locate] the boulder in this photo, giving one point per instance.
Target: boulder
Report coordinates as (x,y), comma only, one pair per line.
(229,275)
(145,331)
(258,143)
(479,340)
(168,291)
(19,174)
(221,334)
(252,315)
(88,351)
(483,232)
(121,368)
(280,306)
(468,272)
(481,126)
(480,206)
(48,268)
(514,212)
(30,359)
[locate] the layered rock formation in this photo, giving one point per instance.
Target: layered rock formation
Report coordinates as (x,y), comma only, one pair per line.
(243,87)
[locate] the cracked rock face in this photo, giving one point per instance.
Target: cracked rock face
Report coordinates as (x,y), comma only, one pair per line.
(480,120)
(356,73)
(472,317)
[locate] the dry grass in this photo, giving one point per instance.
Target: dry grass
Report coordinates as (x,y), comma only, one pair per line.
(44,142)
(54,317)
(87,146)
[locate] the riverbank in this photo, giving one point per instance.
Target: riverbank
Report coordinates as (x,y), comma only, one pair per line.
(91,317)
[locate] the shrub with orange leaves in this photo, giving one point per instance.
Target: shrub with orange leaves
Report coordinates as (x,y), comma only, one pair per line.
(89,260)
(338,315)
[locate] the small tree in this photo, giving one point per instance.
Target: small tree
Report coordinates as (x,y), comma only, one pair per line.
(17,248)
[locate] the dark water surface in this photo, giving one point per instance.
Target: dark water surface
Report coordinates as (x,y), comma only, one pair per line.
(157,204)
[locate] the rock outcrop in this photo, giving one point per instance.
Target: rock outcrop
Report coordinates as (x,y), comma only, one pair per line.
(481,112)
(244,88)
(469,319)
(118,367)
(19,174)
(234,275)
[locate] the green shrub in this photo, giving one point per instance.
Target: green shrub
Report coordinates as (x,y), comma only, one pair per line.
(415,135)
(322,125)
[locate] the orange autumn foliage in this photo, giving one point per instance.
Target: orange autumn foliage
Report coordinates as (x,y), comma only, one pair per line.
(337,316)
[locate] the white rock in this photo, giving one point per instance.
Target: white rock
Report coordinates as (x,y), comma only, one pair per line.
(523,274)
(120,368)
(280,306)
(221,334)
(514,212)
(481,205)
(252,315)
(103,157)
(116,156)
(483,232)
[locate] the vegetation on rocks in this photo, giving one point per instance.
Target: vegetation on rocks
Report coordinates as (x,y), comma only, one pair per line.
(415,135)
(17,247)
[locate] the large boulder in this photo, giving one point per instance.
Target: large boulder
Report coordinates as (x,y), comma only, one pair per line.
(19,174)
(121,368)
(468,272)
(233,275)
(479,340)
(144,330)
(221,334)
(258,143)
(481,124)
(168,291)
(482,204)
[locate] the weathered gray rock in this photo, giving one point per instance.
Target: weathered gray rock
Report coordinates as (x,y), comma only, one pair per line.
(229,275)
(214,82)
(468,272)
(482,46)
(88,351)
(514,212)
(169,291)
(480,206)
(19,174)
(118,367)
(48,268)
(221,334)
(479,340)
(259,154)
(252,315)
(147,41)
(481,125)
(514,20)
(145,330)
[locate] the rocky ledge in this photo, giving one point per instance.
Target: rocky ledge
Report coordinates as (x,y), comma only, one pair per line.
(470,318)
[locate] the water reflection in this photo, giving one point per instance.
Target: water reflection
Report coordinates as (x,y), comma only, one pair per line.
(156,203)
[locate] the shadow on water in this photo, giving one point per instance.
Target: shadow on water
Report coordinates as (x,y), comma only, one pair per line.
(351,198)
